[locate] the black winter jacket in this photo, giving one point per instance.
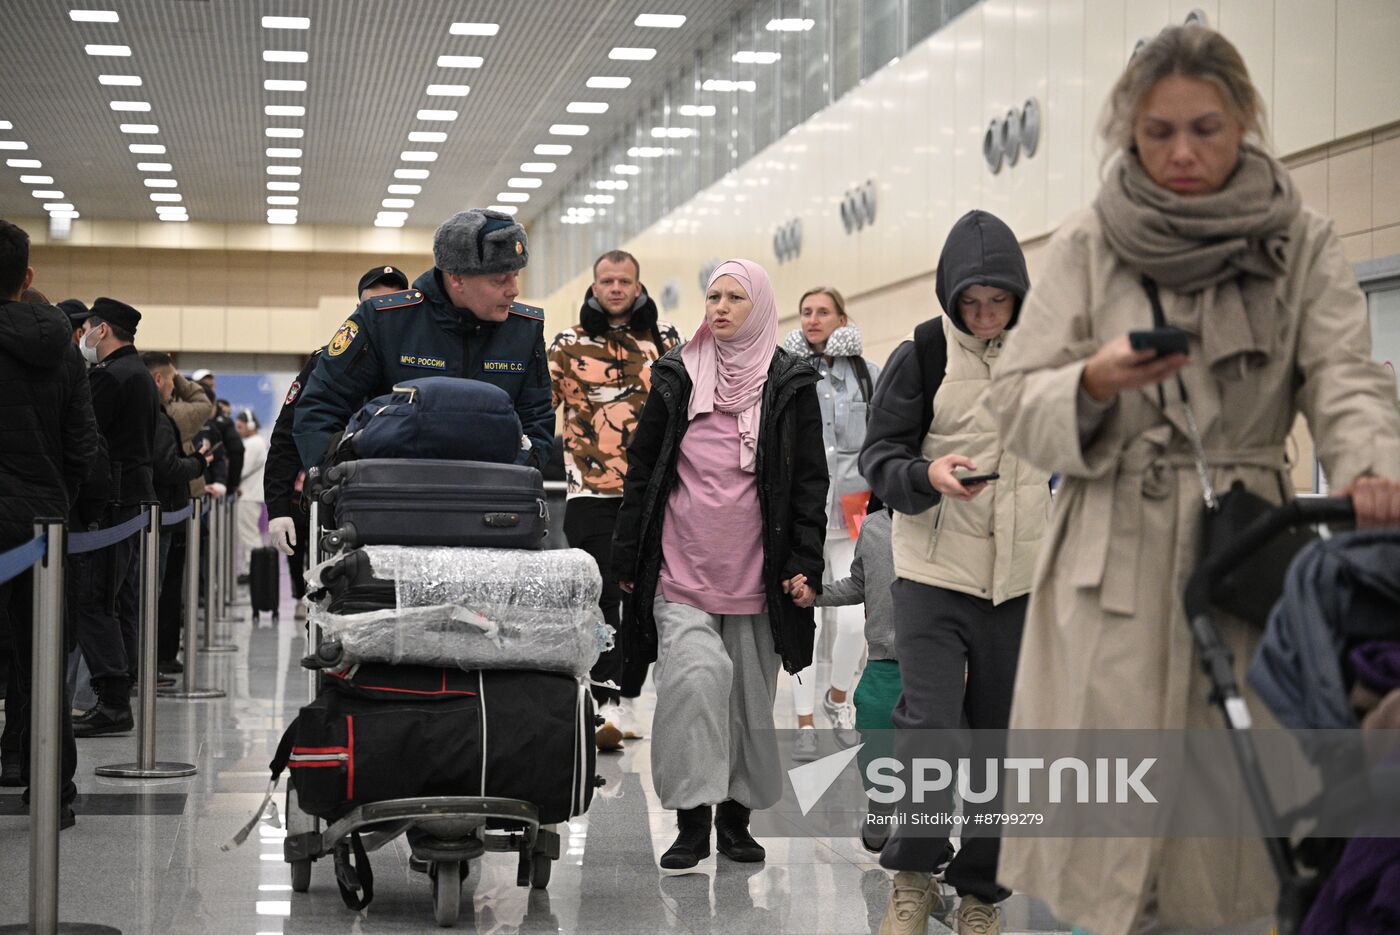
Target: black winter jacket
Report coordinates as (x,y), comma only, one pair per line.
(792,488)
(171,470)
(47,432)
(283,461)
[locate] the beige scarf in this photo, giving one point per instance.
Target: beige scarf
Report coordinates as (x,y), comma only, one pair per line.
(1222,252)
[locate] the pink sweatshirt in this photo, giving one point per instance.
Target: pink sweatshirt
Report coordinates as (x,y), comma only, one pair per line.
(712,540)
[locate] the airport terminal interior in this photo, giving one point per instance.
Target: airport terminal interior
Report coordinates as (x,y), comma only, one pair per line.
(230,169)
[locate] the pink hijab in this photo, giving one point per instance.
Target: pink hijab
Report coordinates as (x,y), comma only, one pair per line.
(729,375)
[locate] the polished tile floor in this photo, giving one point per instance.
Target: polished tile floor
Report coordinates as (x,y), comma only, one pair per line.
(146,857)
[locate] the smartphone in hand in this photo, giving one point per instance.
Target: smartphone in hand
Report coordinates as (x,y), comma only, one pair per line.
(973,479)
(1165,341)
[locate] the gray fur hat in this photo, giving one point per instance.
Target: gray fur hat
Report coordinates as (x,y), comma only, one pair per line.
(479,241)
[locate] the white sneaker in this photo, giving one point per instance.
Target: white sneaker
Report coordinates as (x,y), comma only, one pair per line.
(804,745)
(627,720)
(842,717)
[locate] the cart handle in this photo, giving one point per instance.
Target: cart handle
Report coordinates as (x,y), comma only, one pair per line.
(1305,511)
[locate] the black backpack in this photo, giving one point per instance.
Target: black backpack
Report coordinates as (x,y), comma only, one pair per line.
(931,353)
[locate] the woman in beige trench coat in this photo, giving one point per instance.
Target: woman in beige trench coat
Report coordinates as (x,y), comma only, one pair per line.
(1277,325)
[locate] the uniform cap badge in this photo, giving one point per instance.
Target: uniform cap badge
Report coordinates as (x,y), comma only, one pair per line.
(519,248)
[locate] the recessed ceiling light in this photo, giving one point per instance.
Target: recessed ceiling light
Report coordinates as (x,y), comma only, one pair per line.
(94,16)
(397,202)
(24,163)
(790,25)
(47,195)
(459,61)
(393,215)
(161,183)
(604,81)
(153,167)
(756,58)
(115,51)
(697,110)
(437,115)
(120,81)
(427,136)
(447,90)
(282,199)
(524,183)
(276,218)
(284,186)
(284,110)
(568,129)
(36,179)
(282,212)
(674,133)
(173,218)
(67,215)
(284,55)
(599,199)
(619,185)
(416,155)
(6,125)
(165,196)
(724,84)
(283,84)
(170,209)
(475,29)
(537,167)
(587,107)
(632,54)
(512,196)
(504,209)
(389,222)
(659,21)
(278,152)
(140,128)
(284,170)
(285,133)
(553,149)
(405,189)
(411,174)
(130,105)
(58,206)
(13,145)
(286,22)
(150,149)
(647,152)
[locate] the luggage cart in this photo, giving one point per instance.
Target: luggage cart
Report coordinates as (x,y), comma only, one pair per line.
(1296,890)
(451,831)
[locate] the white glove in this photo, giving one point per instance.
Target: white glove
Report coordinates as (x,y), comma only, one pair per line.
(283,533)
(215,490)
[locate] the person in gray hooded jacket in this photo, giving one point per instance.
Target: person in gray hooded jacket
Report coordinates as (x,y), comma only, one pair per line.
(963,553)
(828,341)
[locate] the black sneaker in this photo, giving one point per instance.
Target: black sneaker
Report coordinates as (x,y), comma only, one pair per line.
(242,579)
(732,834)
(103,719)
(692,844)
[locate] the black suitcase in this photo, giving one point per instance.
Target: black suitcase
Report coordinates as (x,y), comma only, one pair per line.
(264,581)
(439,503)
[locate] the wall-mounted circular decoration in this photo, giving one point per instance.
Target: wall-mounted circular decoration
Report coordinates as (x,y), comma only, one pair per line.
(858,207)
(670,295)
(787,241)
(1197,17)
(992,145)
(1137,47)
(1030,126)
(1011,136)
(706,271)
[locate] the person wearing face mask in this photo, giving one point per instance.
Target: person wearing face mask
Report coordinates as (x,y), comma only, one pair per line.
(721,522)
(460,319)
(601,372)
(963,552)
(126,404)
(829,341)
(1194,209)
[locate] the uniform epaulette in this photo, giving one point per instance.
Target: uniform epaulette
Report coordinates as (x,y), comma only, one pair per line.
(397,300)
(527,311)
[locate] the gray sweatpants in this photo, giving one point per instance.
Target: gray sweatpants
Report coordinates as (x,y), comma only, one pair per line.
(712,735)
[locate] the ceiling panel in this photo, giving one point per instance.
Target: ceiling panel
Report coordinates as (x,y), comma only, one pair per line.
(370,63)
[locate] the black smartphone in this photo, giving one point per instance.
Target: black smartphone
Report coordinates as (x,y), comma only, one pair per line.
(1165,341)
(973,479)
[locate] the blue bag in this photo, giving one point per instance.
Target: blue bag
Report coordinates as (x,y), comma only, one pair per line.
(447,418)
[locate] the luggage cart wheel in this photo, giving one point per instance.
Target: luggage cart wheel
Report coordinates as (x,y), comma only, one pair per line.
(447,892)
(301,876)
(541,865)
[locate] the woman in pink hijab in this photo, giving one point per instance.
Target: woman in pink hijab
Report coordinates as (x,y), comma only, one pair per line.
(723,516)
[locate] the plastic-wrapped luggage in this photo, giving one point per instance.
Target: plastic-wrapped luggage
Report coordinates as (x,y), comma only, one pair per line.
(468,608)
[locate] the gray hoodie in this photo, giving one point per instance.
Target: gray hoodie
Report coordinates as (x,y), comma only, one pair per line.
(872,573)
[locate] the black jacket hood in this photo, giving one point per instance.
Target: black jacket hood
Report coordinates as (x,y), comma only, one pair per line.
(595,320)
(980,251)
(35,335)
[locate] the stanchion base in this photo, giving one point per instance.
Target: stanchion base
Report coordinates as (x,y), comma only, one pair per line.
(219,648)
(194,694)
(64,928)
(159,771)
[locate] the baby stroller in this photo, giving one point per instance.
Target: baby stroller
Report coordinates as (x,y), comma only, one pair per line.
(1298,889)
